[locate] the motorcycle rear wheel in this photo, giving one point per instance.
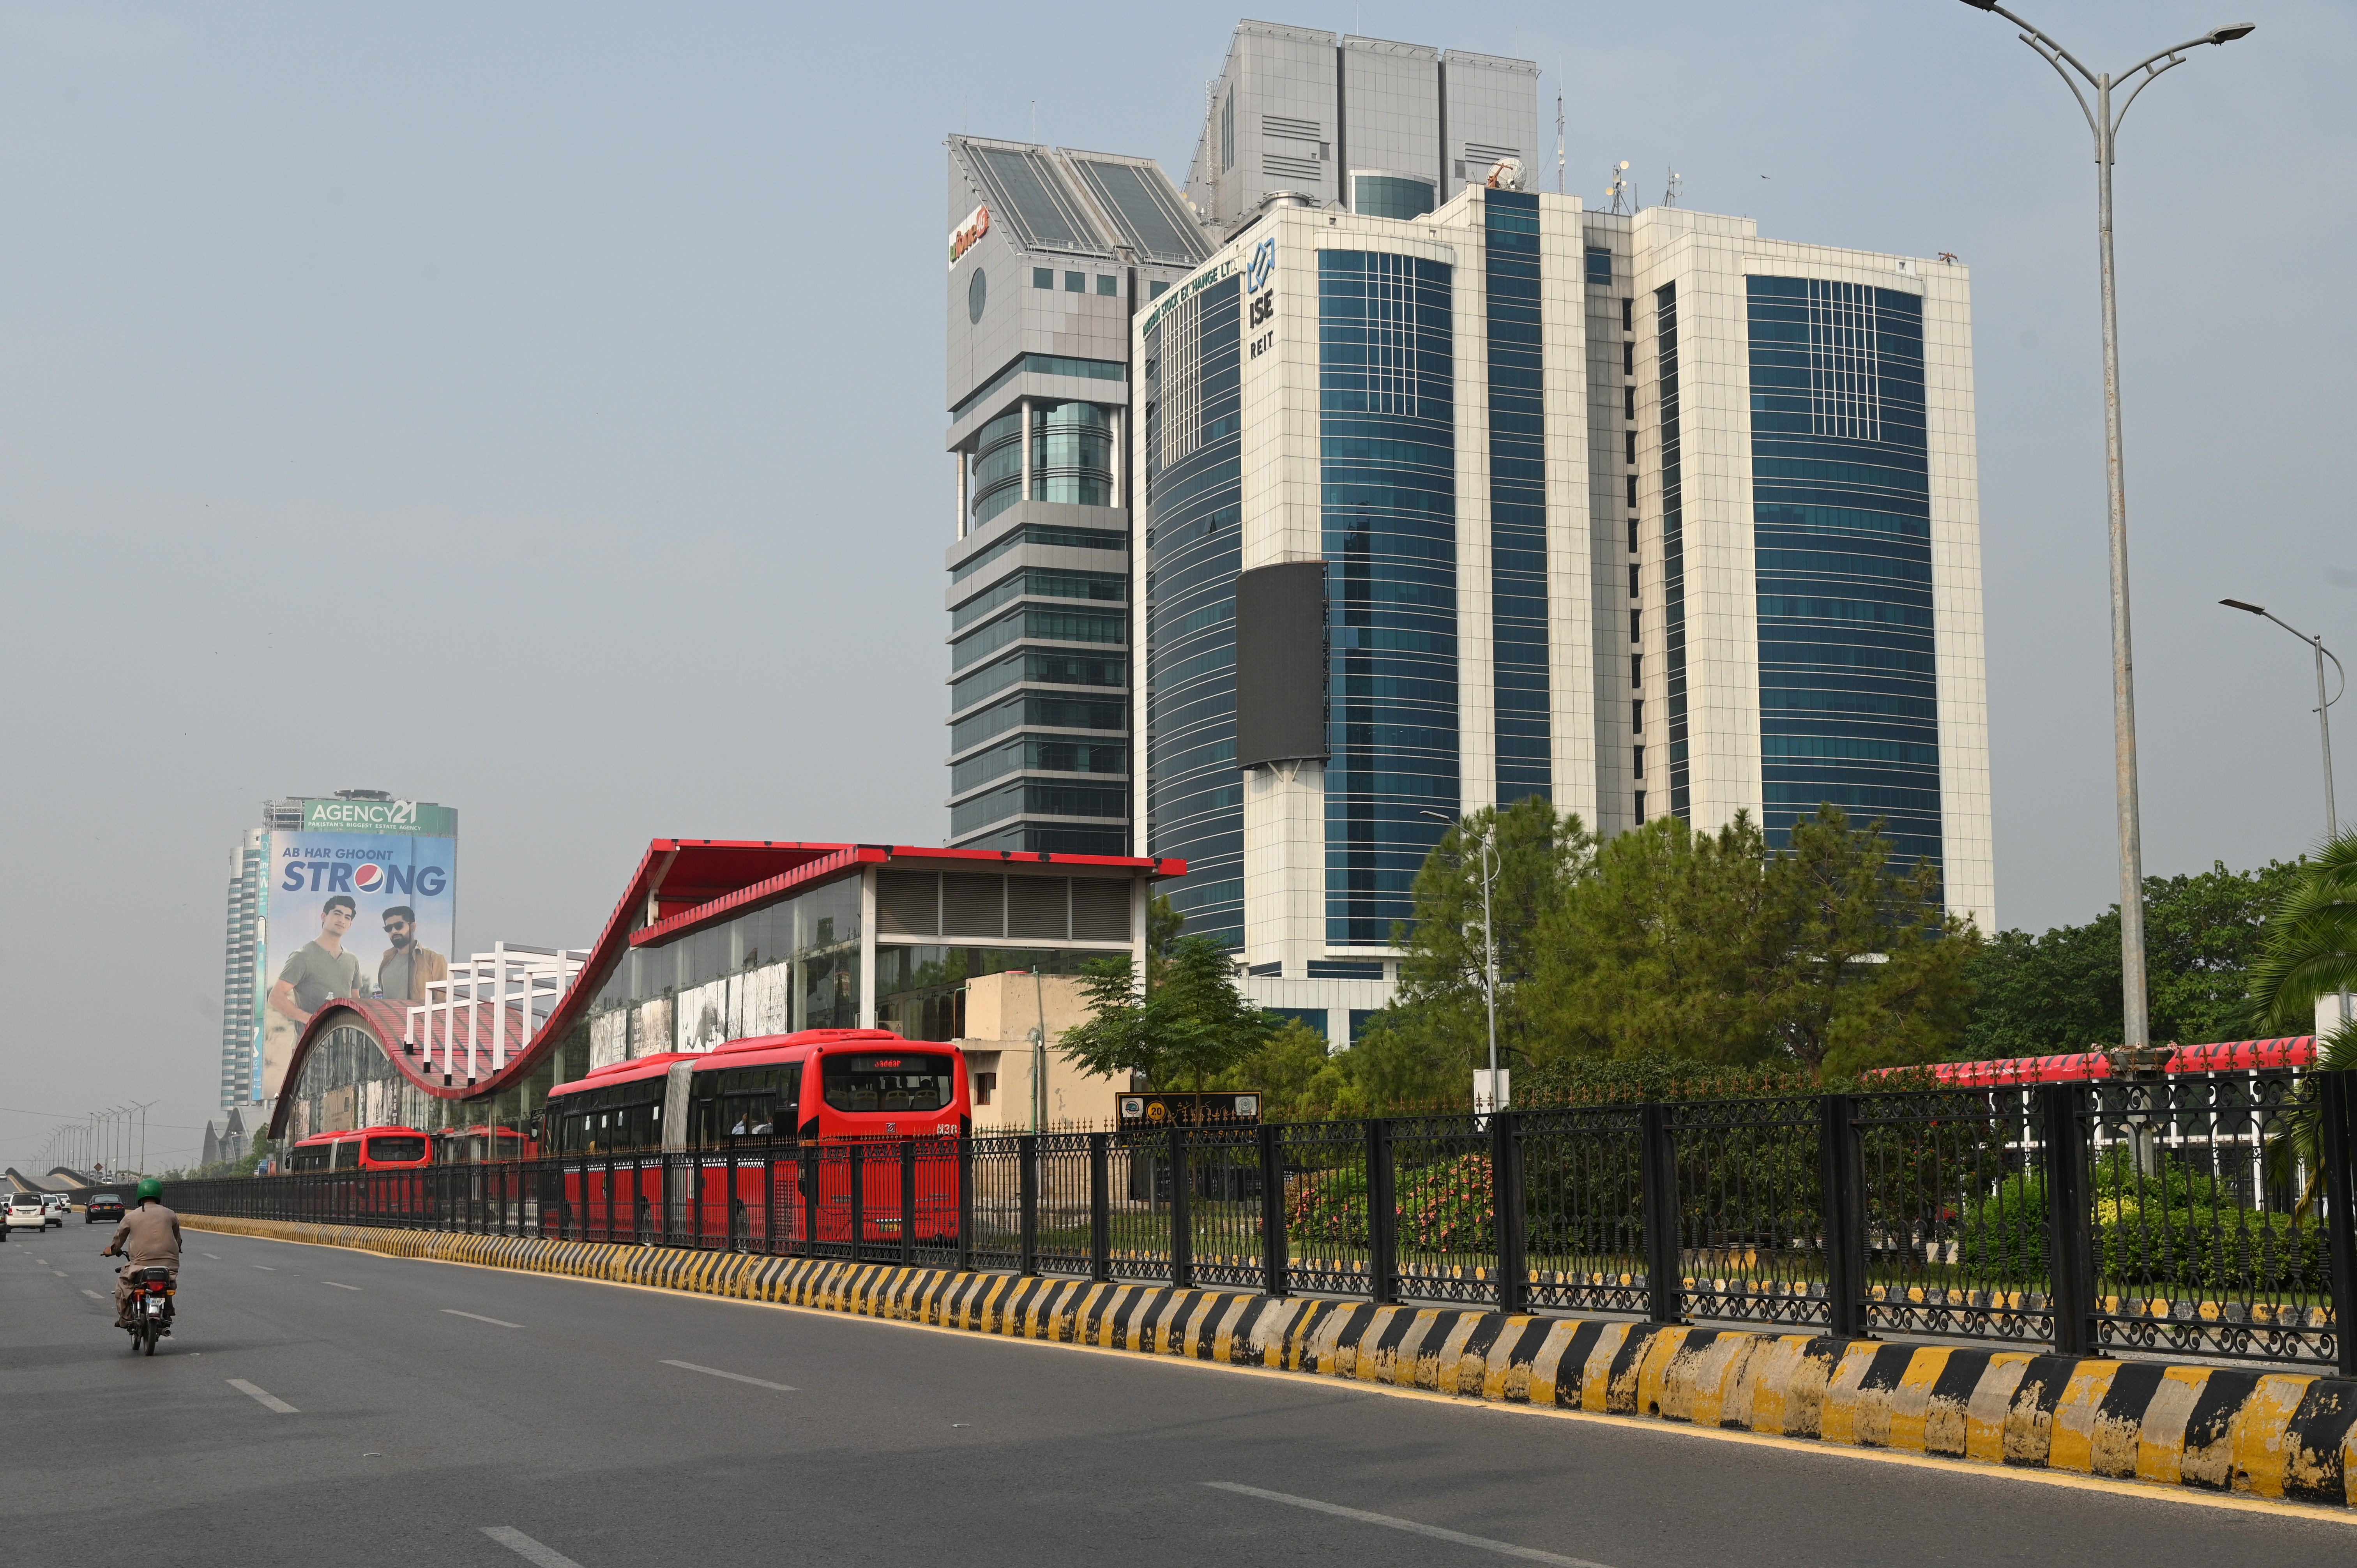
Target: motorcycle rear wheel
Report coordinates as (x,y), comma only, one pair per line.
(151,1333)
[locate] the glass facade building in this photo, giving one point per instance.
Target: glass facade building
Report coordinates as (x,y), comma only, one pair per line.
(1532,580)
(1193,509)
(1673,556)
(1387,503)
(1051,253)
(1521,705)
(1849,692)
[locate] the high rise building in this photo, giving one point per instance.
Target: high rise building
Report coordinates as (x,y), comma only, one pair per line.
(1050,252)
(1420,490)
(1385,129)
(244,902)
(1646,514)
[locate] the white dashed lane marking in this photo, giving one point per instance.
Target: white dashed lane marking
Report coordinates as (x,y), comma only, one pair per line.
(338,1284)
(527,1548)
(732,1377)
(1502,1548)
(267,1400)
(496,1322)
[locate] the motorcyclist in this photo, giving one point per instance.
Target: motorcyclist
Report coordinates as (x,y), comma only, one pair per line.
(150,1236)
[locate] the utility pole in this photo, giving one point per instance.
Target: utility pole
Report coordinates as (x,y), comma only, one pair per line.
(2135,997)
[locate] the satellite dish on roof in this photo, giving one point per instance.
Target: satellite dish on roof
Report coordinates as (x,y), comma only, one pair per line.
(1508,173)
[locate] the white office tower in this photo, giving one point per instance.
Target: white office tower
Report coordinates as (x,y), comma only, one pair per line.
(1646,514)
(1050,252)
(1385,129)
(244,904)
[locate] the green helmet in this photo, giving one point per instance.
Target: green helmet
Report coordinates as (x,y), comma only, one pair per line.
(149,1187)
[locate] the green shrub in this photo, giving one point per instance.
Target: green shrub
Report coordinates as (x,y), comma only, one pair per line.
(1329,1209)
(2168,1230)
(1443,1207)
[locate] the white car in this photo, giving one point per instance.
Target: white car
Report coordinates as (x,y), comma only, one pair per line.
(26,1212)
(57,1205)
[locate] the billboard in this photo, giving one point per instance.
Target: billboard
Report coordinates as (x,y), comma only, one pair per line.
(360,902)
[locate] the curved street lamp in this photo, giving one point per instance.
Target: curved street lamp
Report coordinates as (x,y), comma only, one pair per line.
(2323,725)
(2323,702)
(2104,121)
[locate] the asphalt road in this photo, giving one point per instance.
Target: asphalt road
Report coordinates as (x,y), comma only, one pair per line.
(438,1414)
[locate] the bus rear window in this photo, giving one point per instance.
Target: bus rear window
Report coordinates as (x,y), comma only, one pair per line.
(396,1148)
(888,1081)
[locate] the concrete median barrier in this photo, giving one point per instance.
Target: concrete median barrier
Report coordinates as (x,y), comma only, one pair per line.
(2290,1435)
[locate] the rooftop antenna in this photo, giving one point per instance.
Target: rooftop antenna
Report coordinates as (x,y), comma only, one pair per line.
(1677,183)
(1622,202)
(1558,131)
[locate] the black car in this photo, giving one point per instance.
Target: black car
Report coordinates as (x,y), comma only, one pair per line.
(103,1206)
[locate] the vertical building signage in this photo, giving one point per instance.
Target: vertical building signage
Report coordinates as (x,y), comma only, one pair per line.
(360,902)
(1260,287)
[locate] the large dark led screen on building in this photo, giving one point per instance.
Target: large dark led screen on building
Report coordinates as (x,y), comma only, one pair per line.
(1281,663)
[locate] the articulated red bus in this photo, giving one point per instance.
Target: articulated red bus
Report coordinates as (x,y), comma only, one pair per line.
(716,1115)
(482,1145)
(366,1149)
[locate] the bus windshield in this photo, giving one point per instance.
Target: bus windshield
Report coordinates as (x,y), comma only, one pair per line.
(888,1081)
(396,1148)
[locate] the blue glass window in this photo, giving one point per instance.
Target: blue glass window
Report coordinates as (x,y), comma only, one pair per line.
(1673,556)
(1193,501)
(1039,713)
(1841,525)
(1388,196)
(1387,473)
(1517,499)
(1599,267)
(1043,277)
(1345,969)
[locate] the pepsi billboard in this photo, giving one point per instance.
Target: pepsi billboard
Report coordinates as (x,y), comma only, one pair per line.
(347,914)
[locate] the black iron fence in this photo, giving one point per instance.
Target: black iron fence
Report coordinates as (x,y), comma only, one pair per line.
(2203,1216)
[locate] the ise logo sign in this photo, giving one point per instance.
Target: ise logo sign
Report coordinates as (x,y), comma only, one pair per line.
(1262,265)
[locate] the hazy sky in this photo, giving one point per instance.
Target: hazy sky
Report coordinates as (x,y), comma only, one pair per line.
(536,409)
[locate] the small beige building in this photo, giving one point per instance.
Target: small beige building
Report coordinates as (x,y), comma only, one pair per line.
(1005,1013)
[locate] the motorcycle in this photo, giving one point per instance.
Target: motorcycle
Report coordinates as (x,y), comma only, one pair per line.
(151,1308)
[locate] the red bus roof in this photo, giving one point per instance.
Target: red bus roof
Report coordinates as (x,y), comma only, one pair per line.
(779,1047)
(359,1132)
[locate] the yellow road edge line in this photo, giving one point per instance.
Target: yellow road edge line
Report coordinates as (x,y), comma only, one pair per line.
(2146,1490)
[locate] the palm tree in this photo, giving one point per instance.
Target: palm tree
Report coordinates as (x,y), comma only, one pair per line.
(2311,950)
(2312,941)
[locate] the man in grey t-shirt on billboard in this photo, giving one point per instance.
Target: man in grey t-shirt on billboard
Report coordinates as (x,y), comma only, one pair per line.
(318,970)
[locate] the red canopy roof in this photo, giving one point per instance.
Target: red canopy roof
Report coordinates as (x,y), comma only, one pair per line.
(2226,1056)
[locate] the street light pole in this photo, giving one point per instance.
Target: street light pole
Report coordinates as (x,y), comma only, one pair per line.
(2323,727)
(2323,702)
(2135,1020)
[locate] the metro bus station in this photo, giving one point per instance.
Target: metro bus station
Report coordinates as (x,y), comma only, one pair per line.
(714,941)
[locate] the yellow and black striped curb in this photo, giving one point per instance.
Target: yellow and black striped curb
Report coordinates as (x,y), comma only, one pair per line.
(2270,1435)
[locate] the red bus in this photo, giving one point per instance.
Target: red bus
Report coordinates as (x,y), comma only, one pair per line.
(363,1149)
(366,1149)
(714,1120)
(481,1145)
